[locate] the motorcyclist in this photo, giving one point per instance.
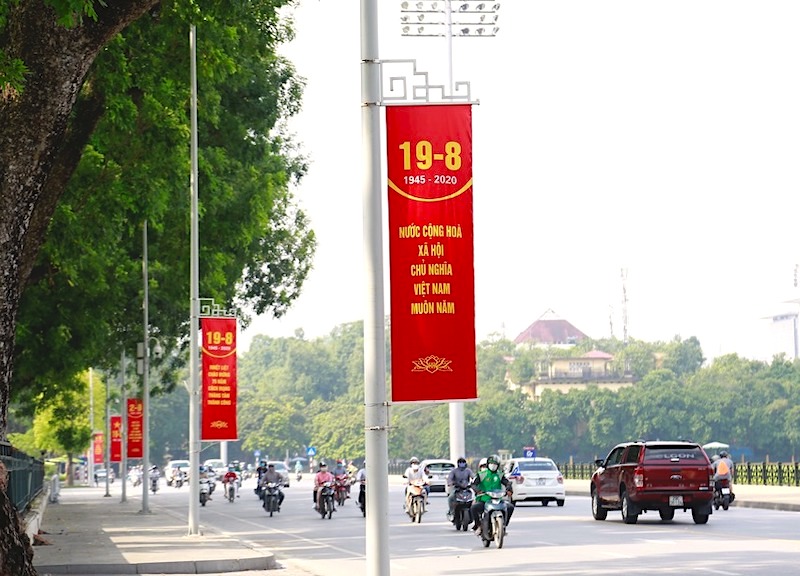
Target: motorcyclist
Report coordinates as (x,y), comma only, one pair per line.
(298,468)
(272,476)
(341,473)
(414,473)
(459,477)
(262,467)
(487,481)
(361,479)
(320,478)
(723,470)
(232,477)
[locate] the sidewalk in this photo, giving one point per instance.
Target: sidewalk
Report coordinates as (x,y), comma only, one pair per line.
(89,533)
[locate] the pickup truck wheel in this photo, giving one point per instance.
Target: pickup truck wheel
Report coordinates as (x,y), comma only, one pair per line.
(598,512)
(667,513)
(629,516)
(699,517)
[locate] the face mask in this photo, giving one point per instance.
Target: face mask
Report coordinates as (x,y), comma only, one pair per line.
(415,467)
(493,467)
(462,465)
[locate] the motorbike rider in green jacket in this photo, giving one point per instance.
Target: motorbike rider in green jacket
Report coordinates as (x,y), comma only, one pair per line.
(486,481)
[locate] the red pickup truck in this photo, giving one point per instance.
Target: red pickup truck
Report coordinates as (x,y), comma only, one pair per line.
(666,476)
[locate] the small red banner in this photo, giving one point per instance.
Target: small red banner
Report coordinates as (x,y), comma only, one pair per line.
(116,438)
(219,379)
(97,448)
(429,150)
(135,428)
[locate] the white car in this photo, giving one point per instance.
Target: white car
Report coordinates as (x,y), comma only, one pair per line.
(536,480)
(438,470)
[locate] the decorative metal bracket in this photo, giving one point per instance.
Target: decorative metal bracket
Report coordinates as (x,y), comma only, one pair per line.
(210,308)
(412,86)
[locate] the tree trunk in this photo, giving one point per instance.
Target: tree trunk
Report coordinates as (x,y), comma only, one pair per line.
(40,145)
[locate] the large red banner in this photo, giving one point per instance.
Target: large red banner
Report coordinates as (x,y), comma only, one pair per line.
(429,150)
(219,379)
(116,438)
(135,443)
(97,448)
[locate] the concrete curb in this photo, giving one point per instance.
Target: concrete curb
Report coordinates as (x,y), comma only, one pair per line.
(265,562)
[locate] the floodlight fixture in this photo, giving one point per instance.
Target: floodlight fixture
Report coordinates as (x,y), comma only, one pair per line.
(463,8)
(495,30)
(420,5)
(480,31)
(433,5)
(465,31)
(496,7)
(404,18)
(404,5)
(420,30)
(405,29)
(480,7)
(420,17)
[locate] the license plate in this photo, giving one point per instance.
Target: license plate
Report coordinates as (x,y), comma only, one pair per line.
(676,500)
(726,490)
(541,481)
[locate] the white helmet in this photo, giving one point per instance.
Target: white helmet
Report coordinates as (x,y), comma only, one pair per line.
(482,463)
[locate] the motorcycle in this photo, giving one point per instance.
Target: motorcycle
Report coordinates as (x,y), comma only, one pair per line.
(362,498)
(723,495)
(341,489)
(271,491)
(493,523)
(461,509)
(415,501)
(299,475)
(204,491)
(230,491)
(178,478)
(325,500)
(154,484)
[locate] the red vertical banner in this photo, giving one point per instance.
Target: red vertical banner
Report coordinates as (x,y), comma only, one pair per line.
(219,379)
(116,438)
(431,252)
(135,442)
(97,448)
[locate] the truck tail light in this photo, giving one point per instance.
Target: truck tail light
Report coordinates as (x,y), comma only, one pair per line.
(638,478)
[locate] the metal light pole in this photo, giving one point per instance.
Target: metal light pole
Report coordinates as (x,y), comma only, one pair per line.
(436,18)
(143,354)
(90,463)
(376,421)
(194,304)
(123,465)
(108,437)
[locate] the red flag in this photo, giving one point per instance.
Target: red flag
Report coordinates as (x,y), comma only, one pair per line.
(116,438)
(135,441)
(429,151)
(219,378)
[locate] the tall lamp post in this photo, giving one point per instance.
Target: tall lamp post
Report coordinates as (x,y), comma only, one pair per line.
(143,364)
(449,19)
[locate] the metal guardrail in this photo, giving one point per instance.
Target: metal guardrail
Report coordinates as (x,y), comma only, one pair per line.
(752,473)
(25,476)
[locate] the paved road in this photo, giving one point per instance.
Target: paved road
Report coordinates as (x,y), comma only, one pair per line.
(87,527)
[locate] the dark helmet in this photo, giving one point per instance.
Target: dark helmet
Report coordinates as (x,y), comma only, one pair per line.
(323,464)
(461,460)
(723,454)
(263,462)
(492,463)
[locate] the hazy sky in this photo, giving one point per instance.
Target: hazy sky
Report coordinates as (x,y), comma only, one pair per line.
(661,138)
